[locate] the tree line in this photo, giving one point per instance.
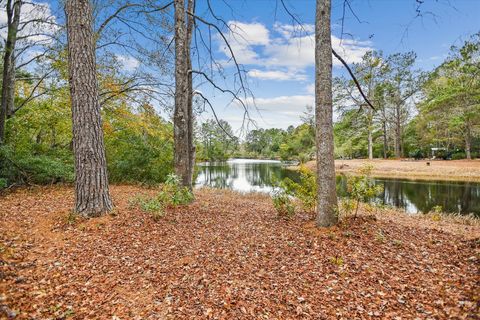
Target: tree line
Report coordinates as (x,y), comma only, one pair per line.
(415,111)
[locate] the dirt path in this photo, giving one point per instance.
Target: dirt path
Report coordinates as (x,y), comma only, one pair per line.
(226,256)
(462,170)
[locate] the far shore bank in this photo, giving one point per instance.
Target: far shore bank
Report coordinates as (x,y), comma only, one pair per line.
(448,170)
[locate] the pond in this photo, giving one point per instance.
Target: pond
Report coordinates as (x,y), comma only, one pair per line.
(247,175)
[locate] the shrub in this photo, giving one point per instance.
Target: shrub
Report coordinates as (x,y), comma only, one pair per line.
(347,205)
(417,154)
(3,183)
(360,188)
(173,193)
(283,204)
(151,205)
(305,190)
(303,158)
(24,167)
(459,155)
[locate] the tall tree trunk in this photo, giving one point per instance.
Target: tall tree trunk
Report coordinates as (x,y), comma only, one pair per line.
(370,144)
(191,146)
(370,133)
(13,8)
(385,142)
(327,195)
(398,133)
(468,141)
(92,196)
(180,116)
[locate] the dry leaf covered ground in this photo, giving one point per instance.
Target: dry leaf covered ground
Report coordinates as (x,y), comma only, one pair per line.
(463,170)
(227,256)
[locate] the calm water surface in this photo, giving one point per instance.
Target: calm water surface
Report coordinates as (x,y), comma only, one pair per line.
(414,196)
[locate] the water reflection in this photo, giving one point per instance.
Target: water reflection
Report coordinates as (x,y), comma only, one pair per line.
(242,174)
(413,196)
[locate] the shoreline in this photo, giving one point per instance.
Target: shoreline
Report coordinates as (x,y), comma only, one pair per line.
(439,170)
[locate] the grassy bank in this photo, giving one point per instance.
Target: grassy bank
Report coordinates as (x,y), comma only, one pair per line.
(228,256)
(460,170)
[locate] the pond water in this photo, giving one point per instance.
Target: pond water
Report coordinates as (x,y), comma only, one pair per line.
(247,175)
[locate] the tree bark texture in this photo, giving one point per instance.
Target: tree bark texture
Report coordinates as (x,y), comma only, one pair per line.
(327,195)
(370,133)
(92,196)
(13,8)
(468,140)
(191,146)
(385,142)
(398,132)
(183,99)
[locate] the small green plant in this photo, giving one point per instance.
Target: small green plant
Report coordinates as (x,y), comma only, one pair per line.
(71,217)
(338,261)
(173,193)
(3,183)
(283,204)
(397,243)
(305,190)
(347,234)
(361,188)
(151,205)
(437,213)
(347,205)
(380,237)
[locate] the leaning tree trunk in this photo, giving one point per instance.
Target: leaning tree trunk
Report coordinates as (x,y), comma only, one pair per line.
(92,197)
(8,76)
(327,195)
(180,116)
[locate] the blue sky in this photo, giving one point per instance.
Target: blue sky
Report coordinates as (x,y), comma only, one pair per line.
(280,62)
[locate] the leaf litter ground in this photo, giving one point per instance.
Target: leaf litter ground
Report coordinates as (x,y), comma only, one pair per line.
(227,256)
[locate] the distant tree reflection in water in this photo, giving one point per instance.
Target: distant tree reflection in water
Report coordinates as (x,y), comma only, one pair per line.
(413,196)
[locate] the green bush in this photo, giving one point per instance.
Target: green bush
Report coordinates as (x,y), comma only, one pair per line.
(135,158)
(305,190)
(417,154)
(23,167)
(360,188)
(283,204)
(148,204)
(173,193)
(3,183)
(459,155)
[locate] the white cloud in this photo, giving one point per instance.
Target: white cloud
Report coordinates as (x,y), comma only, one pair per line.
(283,110)
(252,33)
(128,63)
(37,23)
(288,105)
(310,88)
(292,49)
(277,75)
(242,37)
(289,30)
